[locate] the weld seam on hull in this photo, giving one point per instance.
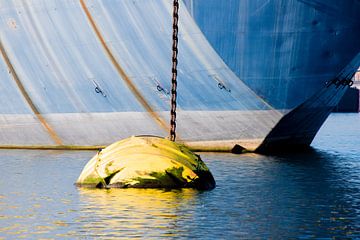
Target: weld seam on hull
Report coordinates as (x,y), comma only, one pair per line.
(122,72)
(51,147)
(203,146)
(49,53)
(24,93)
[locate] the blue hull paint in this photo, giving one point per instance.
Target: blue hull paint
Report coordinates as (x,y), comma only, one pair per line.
(285,50)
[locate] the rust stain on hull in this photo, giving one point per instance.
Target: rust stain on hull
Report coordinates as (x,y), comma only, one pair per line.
(122,72)
(31,104)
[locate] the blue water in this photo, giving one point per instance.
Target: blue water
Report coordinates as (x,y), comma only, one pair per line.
(309,195)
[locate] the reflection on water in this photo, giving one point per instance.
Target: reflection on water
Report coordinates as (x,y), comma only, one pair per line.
(136,212)
(314,194)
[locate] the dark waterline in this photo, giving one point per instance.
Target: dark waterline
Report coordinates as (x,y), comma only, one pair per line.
(315,194)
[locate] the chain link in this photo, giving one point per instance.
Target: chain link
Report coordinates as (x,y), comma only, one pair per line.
(174,70)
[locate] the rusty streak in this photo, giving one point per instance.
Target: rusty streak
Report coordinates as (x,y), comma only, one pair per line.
(22,89)
(121,71)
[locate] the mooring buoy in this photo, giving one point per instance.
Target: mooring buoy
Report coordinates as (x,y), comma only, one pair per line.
(146,162)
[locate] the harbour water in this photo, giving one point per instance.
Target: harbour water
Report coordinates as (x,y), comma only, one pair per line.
(313,194)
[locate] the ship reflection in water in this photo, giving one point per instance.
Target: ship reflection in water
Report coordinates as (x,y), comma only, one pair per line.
(314,194)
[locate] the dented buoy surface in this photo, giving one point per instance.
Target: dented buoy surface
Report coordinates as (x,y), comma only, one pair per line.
(146,162)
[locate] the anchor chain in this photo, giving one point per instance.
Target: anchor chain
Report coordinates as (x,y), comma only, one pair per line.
(174,70)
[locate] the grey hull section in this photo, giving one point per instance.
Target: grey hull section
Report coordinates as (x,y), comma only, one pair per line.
(88,73)
(285,50)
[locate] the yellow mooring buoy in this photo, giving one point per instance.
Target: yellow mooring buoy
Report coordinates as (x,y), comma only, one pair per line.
(146,162)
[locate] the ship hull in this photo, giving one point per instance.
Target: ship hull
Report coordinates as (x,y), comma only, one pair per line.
(83,74)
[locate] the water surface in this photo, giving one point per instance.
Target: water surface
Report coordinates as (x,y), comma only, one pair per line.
(315,194)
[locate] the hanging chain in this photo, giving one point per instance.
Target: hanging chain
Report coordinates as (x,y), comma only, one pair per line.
(174,71)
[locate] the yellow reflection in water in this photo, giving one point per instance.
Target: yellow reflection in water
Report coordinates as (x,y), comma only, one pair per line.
(135,212)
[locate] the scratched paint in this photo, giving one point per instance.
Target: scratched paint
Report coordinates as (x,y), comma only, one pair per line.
(121,71)
(31,104)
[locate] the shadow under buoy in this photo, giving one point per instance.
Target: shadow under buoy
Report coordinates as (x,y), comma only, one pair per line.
(146,162)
